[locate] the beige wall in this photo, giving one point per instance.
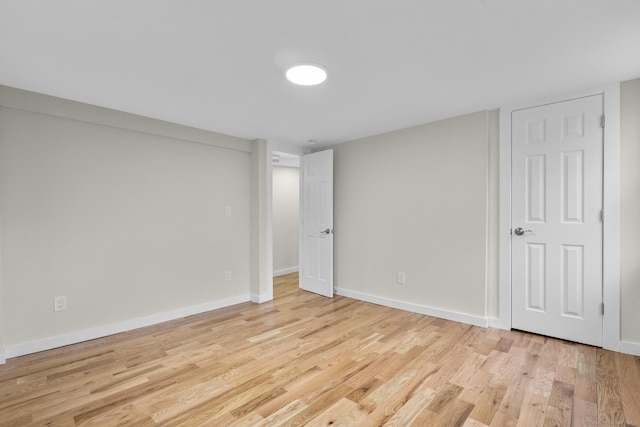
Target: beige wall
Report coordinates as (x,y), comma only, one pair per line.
(124,216)
(424,200)
(286,204)
(493,213)
(630,209)
(416,200)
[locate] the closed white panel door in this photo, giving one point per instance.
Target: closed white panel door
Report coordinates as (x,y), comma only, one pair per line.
(316,246)
(556,219)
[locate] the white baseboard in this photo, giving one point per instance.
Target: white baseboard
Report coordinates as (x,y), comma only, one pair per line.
(261,298)
(494,322)
(284,271)
(3,359)
(21,349)
(629,347)
(416,308)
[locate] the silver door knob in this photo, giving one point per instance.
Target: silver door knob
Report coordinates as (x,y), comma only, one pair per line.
(327,231)
(520,231)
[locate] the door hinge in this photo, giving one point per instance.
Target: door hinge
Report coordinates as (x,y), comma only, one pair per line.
(602,308)
(602,121)
(602,215)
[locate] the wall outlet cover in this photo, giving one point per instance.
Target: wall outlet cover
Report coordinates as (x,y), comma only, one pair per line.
(59,303)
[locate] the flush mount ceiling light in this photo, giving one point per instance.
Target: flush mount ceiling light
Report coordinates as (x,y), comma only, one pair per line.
(306,74)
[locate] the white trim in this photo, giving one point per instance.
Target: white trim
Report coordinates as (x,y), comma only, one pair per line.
(115,328)
(629,347)
(493,322)
(284,271)
(3,358)
(262,298)
(415,308)
(611,229)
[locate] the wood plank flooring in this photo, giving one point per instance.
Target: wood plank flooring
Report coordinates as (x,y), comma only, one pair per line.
(304,359)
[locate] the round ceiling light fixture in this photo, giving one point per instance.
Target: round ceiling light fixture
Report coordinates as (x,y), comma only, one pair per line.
(306,74)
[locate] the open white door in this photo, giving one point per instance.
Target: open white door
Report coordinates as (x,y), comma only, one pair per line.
(316,218)
(557,182)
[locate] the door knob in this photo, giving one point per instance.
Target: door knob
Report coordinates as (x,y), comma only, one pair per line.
(327,231)
(520,231)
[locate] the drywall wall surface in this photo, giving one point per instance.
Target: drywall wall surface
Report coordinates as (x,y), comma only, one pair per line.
(30,101)
(286,207)
(630,209)
(493,211)
(2,319)
(123,223)
(261,234)
(415,201)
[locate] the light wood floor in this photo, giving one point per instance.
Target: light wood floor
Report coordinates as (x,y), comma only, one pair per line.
(305,359)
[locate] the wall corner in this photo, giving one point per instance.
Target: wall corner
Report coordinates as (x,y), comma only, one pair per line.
(493,208)
(261,247)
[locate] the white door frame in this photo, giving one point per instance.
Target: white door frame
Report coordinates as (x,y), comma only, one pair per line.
(265,250)
(611,203)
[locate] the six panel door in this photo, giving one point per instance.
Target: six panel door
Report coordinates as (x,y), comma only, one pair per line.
(557,184)
(316,245)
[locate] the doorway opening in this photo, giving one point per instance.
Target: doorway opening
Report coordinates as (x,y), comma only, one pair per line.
(285,212)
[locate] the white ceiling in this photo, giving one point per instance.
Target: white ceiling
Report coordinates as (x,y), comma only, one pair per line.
(219,64)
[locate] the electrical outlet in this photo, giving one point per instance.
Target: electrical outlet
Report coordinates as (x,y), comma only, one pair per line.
(227,210)
(227,275)
(401,277)
(59,303)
